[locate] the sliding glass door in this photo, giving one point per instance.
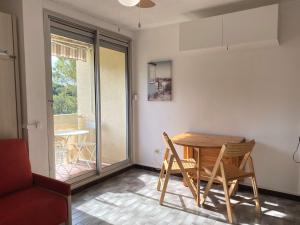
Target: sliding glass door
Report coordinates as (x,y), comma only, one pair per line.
(113,102)
(73,96)
(88,103)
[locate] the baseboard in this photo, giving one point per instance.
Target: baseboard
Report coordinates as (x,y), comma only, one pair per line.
(242,187)
(264,191)
(149,168)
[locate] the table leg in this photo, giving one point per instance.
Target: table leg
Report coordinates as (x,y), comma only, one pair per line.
(188,153)
(185,152)
(67,147)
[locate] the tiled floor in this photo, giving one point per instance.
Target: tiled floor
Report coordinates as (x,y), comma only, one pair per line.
(131,198)
(68,171)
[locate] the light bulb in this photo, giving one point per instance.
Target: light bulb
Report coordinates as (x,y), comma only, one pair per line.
(129,3)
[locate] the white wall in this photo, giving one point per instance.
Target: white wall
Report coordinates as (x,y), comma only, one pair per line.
(252,93)
(35,84)
(30,15)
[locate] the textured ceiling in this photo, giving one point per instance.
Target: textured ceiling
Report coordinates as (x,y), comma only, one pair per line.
(165,11)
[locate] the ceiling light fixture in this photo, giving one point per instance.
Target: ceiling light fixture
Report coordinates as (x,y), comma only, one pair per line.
(129,3)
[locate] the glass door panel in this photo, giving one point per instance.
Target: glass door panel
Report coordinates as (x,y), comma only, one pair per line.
(74,117)
(113,105)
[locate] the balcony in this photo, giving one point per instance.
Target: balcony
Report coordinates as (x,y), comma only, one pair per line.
(75,147)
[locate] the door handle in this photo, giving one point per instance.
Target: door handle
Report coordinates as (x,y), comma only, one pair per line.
(4,53)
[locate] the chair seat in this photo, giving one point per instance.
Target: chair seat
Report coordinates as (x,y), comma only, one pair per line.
(232,172)
(27,207)
(188,164)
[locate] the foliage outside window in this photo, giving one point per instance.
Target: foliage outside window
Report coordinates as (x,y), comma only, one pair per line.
(64,85)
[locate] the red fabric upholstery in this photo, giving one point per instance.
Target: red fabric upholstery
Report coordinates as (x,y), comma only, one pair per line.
(51,184)
(33,206)
(15,171)
(24,200)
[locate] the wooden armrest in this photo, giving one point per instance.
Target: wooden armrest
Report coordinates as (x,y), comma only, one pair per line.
(52,184)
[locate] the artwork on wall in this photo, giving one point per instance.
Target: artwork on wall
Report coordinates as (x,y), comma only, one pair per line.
(160,81)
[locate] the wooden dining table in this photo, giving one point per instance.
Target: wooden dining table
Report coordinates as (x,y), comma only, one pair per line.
(205,148)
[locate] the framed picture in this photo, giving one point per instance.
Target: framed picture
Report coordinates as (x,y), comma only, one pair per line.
(160,81)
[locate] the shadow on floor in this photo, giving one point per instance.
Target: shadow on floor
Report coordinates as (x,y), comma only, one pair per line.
(113,194)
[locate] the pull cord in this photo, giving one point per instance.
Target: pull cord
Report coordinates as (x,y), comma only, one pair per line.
(297,149)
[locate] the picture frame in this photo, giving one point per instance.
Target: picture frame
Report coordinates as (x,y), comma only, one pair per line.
(160,80)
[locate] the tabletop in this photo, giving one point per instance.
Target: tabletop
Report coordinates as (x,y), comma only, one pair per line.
(70,132)
(198,140)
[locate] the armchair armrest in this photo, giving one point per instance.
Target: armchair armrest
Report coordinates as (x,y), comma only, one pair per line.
(52,184)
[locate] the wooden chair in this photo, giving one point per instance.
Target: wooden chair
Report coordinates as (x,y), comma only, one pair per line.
(172,164)
(230,175)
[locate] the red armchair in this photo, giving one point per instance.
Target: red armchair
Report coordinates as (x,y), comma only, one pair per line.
(27,198)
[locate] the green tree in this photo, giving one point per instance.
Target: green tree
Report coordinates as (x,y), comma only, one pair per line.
(64,86)
(64,71)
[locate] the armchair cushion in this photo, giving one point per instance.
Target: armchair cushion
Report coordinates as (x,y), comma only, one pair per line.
(33,206)
(15,171)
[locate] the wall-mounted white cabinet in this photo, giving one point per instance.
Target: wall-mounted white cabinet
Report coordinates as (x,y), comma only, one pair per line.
(259,25)
(252,27)
(6,34)
(10,126)
(204,33)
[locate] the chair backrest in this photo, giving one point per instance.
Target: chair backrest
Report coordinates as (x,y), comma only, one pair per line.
(234,150)
(15,170)
(170,146)
(238,150)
